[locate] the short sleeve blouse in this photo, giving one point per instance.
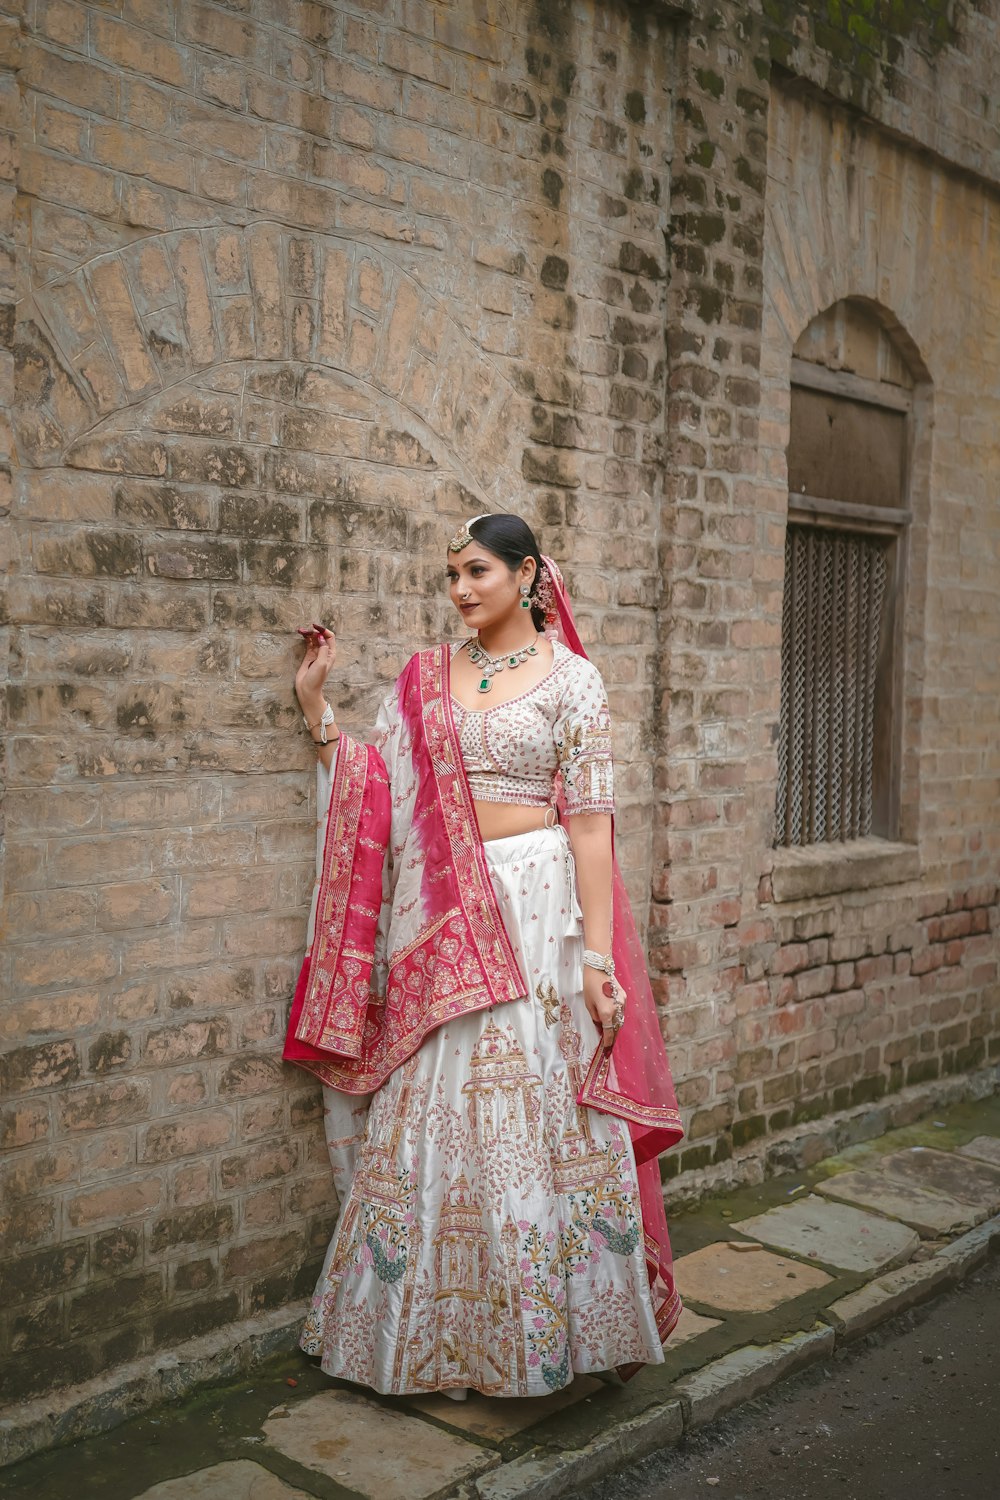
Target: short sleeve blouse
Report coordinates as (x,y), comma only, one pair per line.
(515,751)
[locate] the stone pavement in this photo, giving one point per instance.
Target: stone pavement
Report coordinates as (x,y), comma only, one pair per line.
(773,1278)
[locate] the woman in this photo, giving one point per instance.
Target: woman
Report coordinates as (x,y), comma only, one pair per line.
(475,1001)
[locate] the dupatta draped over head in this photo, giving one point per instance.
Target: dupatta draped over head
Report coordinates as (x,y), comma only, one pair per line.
(408,934)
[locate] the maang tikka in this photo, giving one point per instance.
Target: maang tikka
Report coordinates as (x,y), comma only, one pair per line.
(464,536)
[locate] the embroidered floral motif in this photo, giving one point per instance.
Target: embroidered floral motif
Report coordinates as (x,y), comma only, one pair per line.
(601,1193)
(543,1296)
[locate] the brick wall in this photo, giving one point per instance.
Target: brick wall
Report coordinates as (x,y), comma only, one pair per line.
(792,200)
(303,285)
(299,285)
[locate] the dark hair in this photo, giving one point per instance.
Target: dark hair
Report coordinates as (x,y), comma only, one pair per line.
(512,540)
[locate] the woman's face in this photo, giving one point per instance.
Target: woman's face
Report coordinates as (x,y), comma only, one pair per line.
(483,589)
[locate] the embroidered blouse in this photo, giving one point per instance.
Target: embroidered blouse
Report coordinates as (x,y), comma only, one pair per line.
(513,751)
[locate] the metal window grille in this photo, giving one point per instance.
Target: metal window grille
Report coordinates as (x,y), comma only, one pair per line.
(832,617)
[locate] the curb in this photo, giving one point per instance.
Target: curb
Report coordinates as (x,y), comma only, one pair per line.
(549,1476)
(106,1402)
(893,1293)
(737,1377)
(745,1373)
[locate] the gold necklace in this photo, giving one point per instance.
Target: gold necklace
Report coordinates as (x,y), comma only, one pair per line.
(491,665)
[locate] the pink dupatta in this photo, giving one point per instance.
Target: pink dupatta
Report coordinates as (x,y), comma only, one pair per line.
(408,932)
(633,1081)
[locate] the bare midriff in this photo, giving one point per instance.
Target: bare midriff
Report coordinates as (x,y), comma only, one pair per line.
(505,820)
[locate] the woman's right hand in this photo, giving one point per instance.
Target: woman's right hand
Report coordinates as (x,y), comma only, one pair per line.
(315,667)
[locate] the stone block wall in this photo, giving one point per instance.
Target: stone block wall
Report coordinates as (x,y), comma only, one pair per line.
(298,285)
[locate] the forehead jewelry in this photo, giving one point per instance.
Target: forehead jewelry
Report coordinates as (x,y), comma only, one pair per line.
(463,537)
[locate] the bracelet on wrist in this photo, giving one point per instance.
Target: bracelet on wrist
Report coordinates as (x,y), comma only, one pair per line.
(328,717)
(305,717)
(601,961)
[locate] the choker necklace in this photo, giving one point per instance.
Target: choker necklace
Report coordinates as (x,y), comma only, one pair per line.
(491,665)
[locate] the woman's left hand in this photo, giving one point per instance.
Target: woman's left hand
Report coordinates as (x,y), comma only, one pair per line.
(605,1000)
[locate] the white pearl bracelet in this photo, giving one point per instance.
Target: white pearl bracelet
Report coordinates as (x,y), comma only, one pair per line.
(329,717)
(603,961)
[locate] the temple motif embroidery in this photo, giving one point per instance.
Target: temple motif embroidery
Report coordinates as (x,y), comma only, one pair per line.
(492,1224)
(503,1091)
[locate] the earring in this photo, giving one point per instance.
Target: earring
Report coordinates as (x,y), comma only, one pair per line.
(525,592)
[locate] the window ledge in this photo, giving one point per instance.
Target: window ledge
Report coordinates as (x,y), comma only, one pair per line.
(856,865)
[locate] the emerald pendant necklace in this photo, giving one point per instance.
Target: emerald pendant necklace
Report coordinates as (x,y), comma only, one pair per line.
(491,665)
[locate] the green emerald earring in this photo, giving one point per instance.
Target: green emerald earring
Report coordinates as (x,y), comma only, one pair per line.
(525,592)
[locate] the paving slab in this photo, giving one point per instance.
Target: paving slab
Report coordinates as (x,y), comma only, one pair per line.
(731,1281)
(241,1480)
(983,1148)
(835,1233)
(690,1325)
(930,1214)
(948,1172)
(498,1419)
(372,1449)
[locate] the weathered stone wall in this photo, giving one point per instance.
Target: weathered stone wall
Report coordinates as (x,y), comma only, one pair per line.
(299,285)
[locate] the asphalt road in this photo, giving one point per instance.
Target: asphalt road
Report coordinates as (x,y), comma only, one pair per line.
(911,1413)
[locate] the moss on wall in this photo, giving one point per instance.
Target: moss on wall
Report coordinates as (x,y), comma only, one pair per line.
(862,38)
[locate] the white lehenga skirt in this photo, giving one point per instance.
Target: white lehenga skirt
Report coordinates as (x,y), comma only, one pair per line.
(490,1234)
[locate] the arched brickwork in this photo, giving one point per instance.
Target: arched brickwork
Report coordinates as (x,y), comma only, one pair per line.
(815,257)
(141,320)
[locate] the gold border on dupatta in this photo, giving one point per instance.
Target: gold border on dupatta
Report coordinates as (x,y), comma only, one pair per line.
(596,1093)
(475,886)
(351,772)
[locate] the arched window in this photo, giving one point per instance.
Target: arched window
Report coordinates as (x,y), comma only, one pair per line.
(845,557)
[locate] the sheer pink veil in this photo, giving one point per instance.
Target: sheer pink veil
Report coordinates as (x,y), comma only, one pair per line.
(633,1081)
